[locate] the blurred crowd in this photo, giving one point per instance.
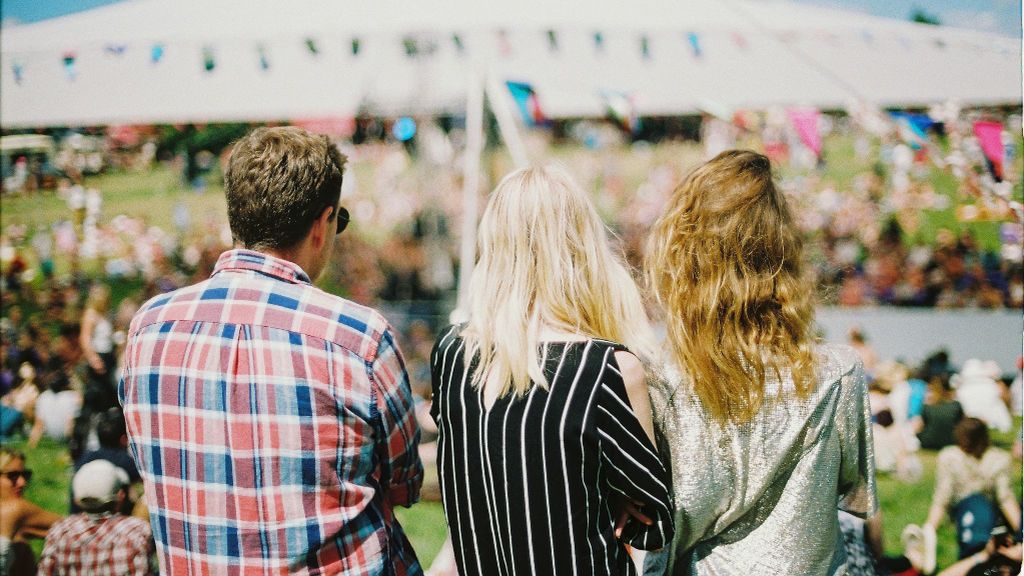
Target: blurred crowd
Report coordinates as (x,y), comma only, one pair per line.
(70,287)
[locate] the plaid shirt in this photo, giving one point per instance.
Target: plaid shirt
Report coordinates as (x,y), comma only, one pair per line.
(273,426)
(98,545)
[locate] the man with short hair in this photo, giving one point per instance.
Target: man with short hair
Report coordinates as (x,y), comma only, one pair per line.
(272,422)
(98,541)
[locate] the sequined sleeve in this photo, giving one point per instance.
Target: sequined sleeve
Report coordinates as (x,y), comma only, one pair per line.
(857,470)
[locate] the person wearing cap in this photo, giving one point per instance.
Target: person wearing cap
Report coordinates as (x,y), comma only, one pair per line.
(98,541)
(273,423)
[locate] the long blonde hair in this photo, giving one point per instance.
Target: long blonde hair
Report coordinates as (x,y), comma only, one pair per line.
(725,263)
(545,260)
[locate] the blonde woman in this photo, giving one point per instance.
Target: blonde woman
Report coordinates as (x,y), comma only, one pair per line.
(768,431)
(19,518)
(542,411)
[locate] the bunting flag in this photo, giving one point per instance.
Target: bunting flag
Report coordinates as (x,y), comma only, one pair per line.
(115,49)
(504,45)
(312,46)
(913,128)
(156,53)
(411,46)
(69,65)
(264,60)
(599,42)
(805,121)
(527,103)
(460,47)
(18,71)
(552,40)
(621,108)
(645,47)
(209,59)
(694,44)
(356,46)
(990,137)
(740,40)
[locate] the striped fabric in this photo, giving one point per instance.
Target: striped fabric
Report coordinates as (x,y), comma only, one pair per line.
(273,426)
(528,484)
(97,545)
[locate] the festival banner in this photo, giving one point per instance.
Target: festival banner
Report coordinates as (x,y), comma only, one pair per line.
(990,137)
(805,122)
(913,128)
(621,108)
(527,103)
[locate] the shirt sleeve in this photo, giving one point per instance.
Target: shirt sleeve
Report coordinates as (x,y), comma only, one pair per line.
(402,470)
(631,465)
(857,490)
(1004,492)
(944,467)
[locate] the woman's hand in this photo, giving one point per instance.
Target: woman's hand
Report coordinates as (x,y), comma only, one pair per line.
(629,509)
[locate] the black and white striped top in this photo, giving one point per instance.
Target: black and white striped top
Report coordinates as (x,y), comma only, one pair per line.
(528,483)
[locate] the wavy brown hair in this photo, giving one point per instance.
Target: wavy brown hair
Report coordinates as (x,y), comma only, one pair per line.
(725,261)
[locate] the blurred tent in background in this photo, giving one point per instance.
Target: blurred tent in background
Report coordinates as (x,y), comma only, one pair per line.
(171,61)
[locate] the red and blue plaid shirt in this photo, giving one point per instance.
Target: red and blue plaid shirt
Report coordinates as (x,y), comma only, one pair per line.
(273,426)
(98,545)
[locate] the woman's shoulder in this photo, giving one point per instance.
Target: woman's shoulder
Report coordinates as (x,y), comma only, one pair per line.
(838,363)
(839,358)
(448,334)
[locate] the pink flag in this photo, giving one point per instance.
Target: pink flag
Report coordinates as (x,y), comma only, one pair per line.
(805,120)
(990,136)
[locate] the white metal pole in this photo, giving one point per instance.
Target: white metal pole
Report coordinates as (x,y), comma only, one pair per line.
(470,192)
(499,99)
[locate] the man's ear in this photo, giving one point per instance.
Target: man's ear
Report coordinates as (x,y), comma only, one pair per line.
(322,226)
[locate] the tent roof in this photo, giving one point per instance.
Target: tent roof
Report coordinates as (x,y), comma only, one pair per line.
(753,53)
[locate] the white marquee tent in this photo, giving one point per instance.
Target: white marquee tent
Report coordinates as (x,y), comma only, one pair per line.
(277,61)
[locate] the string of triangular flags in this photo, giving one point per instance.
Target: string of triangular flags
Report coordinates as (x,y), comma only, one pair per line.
(700,45)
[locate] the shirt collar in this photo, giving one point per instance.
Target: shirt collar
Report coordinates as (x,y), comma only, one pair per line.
(249,260)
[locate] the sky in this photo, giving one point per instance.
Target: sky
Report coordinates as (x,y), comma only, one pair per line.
(1000,16)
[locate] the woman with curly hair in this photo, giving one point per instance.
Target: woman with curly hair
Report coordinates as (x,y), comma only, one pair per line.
(768,431)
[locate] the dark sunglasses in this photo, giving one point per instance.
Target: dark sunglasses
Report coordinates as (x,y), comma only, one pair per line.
(13,475)
(343,218)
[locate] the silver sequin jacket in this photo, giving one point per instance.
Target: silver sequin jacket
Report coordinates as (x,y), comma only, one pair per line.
(761,497)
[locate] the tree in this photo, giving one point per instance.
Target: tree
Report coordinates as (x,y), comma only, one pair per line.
(919,15)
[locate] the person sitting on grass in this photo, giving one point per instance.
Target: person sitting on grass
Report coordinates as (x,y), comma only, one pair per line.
(19,518)
(972,485)
(99,541)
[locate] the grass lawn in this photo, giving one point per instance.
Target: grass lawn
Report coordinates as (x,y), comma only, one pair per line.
(901,504)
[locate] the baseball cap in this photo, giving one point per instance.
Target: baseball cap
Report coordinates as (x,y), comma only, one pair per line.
(97,483)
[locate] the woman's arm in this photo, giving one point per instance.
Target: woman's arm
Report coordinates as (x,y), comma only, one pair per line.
(1007,501)
(943,490)
(634,378)
(36,434)
(85,341)
(35,522)
(633,468)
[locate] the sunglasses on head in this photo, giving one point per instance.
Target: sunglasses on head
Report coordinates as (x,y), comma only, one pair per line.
(13,475)
(343,218)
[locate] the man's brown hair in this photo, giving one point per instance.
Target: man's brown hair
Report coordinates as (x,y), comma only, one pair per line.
(278,182)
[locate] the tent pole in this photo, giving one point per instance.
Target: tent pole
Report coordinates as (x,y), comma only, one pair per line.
(499,99)
(470,192)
